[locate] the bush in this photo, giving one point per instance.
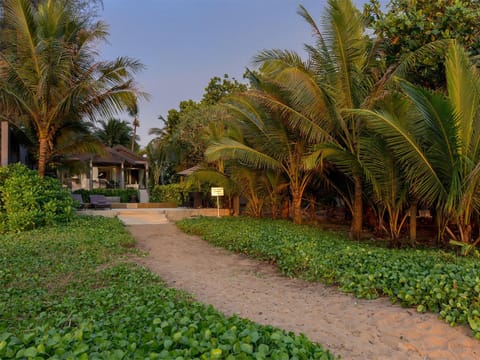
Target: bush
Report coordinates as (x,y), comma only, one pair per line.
(29,201)
(430,280)
(174,193)
(125,194)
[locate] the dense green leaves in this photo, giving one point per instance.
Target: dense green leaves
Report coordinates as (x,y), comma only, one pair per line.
(426,279)
(63,297)
(50,76)
(124,194)
(175,193)
(29,201)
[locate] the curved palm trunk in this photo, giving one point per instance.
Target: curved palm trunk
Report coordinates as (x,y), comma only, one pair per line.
(42,155)
(357,214)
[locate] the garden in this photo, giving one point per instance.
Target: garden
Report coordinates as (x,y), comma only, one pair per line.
(72,291)
(381,116)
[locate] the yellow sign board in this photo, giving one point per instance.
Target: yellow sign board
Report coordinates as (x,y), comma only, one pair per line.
(217,191)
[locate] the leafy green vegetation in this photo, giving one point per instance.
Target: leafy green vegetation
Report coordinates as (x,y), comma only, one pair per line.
(125,194)
(68,292)
(29,201)
(175,193)
(429,280)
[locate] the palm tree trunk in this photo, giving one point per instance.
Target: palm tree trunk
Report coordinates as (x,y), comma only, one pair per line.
(42,155)
(413,223)
(356,227)
(297,206)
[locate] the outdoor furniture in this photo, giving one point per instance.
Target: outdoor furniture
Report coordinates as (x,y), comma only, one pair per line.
(99,202)
(78,198)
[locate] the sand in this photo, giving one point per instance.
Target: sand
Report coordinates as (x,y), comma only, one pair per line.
(350,327)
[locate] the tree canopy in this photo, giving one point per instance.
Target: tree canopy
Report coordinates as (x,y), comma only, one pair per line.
(407,26)
(50,75)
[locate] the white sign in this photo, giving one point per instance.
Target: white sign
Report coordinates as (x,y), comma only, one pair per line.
(217,191)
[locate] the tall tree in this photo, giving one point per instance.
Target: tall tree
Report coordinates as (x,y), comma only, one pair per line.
(49,74)
(344,71)
(266,142)
(114,132)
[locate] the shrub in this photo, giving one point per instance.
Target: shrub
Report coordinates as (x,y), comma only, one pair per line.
(29,201)
(174,193)
(125,194)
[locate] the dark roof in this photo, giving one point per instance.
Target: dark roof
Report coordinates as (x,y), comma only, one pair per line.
(189,171)
(128,155)
(112,156)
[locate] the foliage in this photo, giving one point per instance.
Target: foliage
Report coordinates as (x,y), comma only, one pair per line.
(63,297)
(408,25)
(175,193)
(29,201)
(49,74)
(426,279)
(438,147)
(218,89)
(263,139)
(182,139)
(125,194)
(114,132)
(344,70)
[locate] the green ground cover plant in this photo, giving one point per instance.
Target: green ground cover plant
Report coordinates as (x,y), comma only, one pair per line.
(430,280)
(70,292)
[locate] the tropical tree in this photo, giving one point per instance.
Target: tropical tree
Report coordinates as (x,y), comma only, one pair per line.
(343,71)
(439,151)
(406,26)
(266,142)
(114,132)
(49,74)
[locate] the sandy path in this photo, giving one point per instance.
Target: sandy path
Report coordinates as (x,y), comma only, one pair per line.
(352,328)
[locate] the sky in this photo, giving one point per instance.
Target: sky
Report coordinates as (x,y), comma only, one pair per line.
(184,43)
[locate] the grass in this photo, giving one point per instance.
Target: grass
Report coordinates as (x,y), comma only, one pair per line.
(71,292)
(430,280)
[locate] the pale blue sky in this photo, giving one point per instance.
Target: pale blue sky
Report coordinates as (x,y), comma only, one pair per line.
(184,43)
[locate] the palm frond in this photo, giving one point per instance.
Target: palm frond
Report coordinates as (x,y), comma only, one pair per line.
(227,149)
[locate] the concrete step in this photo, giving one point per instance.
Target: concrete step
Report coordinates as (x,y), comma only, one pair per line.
(142,217)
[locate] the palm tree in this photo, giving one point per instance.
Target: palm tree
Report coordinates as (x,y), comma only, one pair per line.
(439,150)
(114,132)
(49,74)
(265,141)
(343,71)
(135,124)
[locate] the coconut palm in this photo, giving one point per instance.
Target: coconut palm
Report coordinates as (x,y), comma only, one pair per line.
(114,132)
(49,74)
(343,71)
(440,150)
(265,141)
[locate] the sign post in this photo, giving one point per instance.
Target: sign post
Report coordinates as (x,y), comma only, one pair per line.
(217,191)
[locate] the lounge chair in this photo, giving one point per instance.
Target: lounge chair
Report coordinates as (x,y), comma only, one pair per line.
(99,202)
(78,198)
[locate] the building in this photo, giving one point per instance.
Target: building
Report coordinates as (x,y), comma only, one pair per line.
(117,168)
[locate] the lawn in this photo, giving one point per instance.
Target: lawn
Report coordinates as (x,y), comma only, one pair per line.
(427,279)
(73,292)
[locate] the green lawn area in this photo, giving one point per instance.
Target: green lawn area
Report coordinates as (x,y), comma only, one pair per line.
(430,280)
(68,292)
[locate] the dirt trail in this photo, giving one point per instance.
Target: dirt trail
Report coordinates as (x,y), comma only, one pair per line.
(350,327)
